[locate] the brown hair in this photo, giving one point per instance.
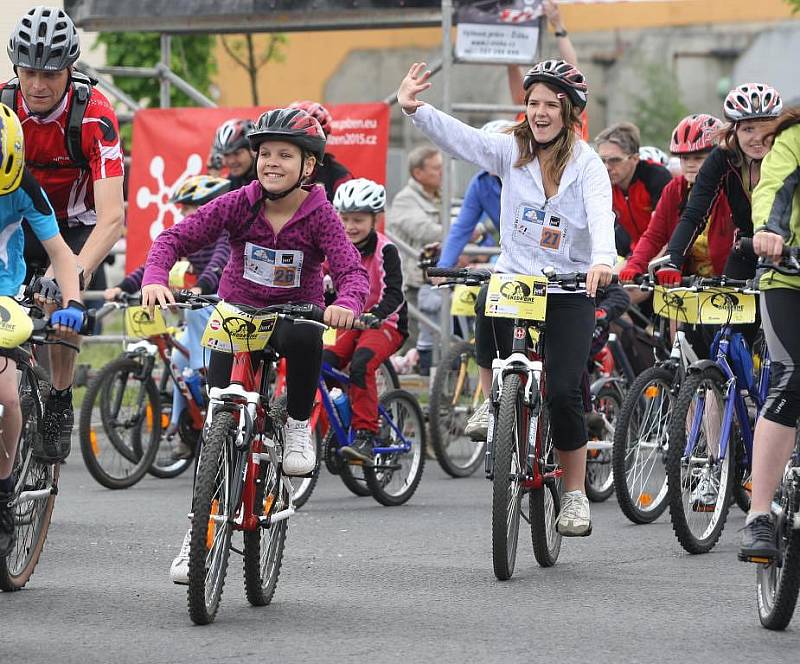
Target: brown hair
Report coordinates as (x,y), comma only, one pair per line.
(419,155)
(564,145)
(789,118)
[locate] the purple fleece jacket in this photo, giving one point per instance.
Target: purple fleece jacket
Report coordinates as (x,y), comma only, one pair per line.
(315,229)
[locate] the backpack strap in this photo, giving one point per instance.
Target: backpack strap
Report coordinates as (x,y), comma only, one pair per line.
(8,95)
(81,92)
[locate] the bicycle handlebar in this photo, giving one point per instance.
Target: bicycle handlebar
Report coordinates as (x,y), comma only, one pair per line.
(308,313)
(472,277)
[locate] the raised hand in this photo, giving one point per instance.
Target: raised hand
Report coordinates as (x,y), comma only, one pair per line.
(415,81)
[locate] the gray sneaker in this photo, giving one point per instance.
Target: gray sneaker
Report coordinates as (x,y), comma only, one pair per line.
(478,424)
(574,519)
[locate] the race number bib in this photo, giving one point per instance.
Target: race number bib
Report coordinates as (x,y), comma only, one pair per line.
(463,301)
(517,296)
(272,267)
(533,225)
(139,323)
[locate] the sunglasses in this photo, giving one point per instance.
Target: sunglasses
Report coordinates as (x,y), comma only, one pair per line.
(614,161)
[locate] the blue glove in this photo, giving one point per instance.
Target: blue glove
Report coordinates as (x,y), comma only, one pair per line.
(72,316)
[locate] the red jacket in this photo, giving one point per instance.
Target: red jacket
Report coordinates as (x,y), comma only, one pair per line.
(634,207)
(665,219)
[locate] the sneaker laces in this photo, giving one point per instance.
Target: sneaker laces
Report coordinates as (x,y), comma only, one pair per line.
(187,543)
(761,528)
(297,436)
(571,504)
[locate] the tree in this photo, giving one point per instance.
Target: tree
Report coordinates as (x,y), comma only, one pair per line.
(242,51)
(659,109)
(191,59)
(795,5)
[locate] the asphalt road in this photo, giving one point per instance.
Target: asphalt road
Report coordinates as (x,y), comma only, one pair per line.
(361,582)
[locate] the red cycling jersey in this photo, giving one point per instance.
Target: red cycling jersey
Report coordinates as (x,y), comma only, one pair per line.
(68,186)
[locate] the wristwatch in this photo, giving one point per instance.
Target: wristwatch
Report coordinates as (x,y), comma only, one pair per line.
(561,33)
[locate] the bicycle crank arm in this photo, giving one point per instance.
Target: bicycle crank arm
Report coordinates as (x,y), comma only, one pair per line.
(600,445)
(387,466)
(267,521)
(33,496)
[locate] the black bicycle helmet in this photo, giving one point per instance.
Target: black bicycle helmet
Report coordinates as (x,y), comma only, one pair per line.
(292,125)
(562,75)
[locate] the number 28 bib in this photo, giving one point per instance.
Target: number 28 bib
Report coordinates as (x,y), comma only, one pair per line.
(275,268)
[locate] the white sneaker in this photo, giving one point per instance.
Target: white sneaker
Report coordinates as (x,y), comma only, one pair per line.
(574,519)
(179,570)
(477,427)
(299,456)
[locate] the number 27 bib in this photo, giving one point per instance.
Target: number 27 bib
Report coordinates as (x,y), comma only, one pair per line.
(275,268)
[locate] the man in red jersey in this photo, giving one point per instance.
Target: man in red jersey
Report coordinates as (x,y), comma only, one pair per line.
(72,147)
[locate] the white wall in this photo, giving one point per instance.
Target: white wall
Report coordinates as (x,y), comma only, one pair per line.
(12,10)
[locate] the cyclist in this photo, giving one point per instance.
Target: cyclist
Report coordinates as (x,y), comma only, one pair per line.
(732,169)
(21,196)
(359,202)
(481,199)
(206,266)
(297,227)
(230,142)
(73,150)
(329,172)
(776,221)
(636,183)
(547,172)
(692,141)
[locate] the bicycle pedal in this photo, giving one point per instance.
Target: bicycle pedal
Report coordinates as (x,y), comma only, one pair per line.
(761,560)
(699,507)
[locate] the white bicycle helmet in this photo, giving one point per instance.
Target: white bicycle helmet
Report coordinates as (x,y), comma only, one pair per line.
(360,195)
(752,101)
(654,154)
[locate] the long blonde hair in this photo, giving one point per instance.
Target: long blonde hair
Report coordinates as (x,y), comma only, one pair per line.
(564,145)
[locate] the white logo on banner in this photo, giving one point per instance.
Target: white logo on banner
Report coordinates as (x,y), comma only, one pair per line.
(145,198)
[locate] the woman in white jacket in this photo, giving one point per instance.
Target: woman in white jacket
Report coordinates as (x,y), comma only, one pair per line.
(555,211)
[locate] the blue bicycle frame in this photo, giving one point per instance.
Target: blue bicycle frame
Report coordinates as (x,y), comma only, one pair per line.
(734,400)
(344,437)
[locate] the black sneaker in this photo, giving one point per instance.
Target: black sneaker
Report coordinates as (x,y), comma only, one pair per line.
(7,530)
(55,442)
(361,447)
(758,541)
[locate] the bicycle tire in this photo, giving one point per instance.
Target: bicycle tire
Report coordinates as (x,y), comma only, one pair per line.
(263,548)
(164,465)
(599,483)
(210,487)
(778,584)
(381,480)
(351,474)
(387,378)
(506,500)
(444,422)
(679,483)
(304,486)
(17,568)
(136,454)
(642,505)
(544,504)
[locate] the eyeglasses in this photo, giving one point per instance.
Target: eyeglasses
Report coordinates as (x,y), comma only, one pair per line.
(614,161)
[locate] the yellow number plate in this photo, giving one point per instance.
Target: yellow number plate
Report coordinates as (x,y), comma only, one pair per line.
(15,324)
(676,303)
(139,323)
(721,306)
(231,330)
(517,296)
(463,301)
(329,337)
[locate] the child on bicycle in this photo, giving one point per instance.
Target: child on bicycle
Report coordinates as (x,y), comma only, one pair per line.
(359,202)
(551,180)
(21,197)
(274,222)
(205,267)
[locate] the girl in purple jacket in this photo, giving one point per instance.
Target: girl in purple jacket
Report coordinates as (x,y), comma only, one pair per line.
(274,221)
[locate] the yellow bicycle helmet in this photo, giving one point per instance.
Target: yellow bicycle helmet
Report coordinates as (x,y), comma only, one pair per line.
(12,150)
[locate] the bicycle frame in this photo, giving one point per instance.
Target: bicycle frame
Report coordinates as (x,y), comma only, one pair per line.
(734,400)
(342,436)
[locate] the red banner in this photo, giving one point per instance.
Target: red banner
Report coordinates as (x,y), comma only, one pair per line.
(171,144)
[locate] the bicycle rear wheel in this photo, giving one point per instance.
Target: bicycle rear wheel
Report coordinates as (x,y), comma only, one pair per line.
(455,395)
(120,424)
(545,502)
(263,548)
(699,483)
(35,496)
(640,446)
(165,465)
(509,443)
(599,474)
(213,513)
(394,476)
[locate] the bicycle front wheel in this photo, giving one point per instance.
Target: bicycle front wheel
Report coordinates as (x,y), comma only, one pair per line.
(699,481)
(640,446)
(395,474)
(455,395)
(509,441)
(35,497)
(212,518)
(545,502)
(120,424)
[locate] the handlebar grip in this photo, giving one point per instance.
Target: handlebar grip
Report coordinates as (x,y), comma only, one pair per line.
(448,272)
(744,245)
